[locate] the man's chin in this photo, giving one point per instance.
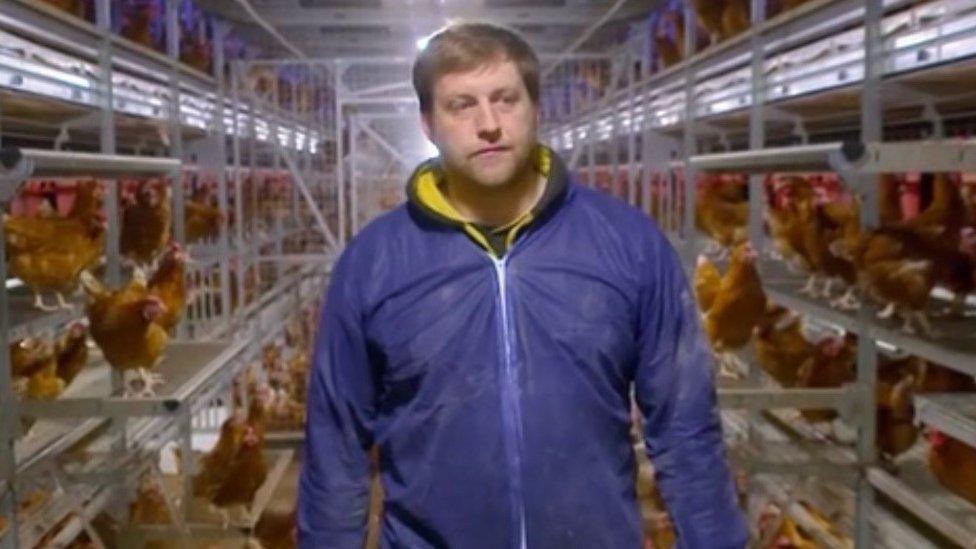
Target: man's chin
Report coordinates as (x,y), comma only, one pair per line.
(492,180)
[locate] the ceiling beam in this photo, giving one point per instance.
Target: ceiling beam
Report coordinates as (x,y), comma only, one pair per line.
(323,44)
(399,17)
(397,45)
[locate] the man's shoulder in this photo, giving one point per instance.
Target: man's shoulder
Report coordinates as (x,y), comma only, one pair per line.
(627,230)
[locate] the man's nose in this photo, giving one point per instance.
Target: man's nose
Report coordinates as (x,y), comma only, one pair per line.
(489,127)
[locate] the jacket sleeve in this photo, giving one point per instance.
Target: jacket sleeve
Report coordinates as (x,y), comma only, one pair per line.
(333,492)
(676,394)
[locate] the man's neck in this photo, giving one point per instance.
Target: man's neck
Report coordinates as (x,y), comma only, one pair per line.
(495,206)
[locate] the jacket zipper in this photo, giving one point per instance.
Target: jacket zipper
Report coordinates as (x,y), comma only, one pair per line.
(510,399)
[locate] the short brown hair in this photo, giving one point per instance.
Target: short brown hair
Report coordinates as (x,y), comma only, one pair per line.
(462,47)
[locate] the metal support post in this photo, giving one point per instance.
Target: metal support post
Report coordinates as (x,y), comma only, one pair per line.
(632,184)
(616,124)
(307,118)
(9,414)
(175,130)
(276,155)
(340,168)
(690,140)
(220,33)
(646,179)
(867,352)
(238,183)
(253,150)
(293,145)
(187,462)
(103,16)
(659,152)
(354,212)
(113,274)
(590,132)
(574,97)
(757,124)
(757,140)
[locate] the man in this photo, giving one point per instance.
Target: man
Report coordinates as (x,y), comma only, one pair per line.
(486,335)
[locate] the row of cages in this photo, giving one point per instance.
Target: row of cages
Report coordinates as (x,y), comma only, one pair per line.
(144,23)
(796,303)
(120,367)
(826,55)
(283,98)
(209,468)
(661,195)
(267,194)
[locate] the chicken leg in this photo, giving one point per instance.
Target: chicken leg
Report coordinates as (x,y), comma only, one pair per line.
(224,518)
(956,308)
(143,385)
(847,302)
(19,385)
(39,304)
(246,514)
(923,322)
(63,303)
(828,288)
(810,288)
(727,365)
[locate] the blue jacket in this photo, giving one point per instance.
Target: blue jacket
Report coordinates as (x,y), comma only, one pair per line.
(497,389)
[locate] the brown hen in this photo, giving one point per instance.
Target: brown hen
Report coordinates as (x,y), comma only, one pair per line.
(213,467)
(124,325)
(895,419)
(202,218)
(146,224)
(780,345)
(168,283)
(721,215)
(953,463)
(706,281)
(49,252)
(245,474)
(739,304)
(72,351)
(831,366)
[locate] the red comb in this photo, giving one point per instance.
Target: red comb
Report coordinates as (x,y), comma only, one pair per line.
(936,438)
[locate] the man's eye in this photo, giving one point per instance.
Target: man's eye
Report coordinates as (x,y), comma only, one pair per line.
(459,105)
(511,99)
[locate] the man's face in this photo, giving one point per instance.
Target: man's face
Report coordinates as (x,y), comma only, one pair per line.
(483,123)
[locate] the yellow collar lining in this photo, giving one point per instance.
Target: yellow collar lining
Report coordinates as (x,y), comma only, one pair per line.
(429,193)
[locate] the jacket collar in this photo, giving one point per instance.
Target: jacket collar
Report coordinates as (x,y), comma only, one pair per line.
(424,193)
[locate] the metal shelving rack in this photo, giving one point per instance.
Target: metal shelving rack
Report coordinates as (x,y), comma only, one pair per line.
(67,82)
(811,89)
(18,165)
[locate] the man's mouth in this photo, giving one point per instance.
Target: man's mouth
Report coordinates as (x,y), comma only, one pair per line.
(489,150)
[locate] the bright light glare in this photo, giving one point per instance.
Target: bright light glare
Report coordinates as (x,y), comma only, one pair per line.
(422,43)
